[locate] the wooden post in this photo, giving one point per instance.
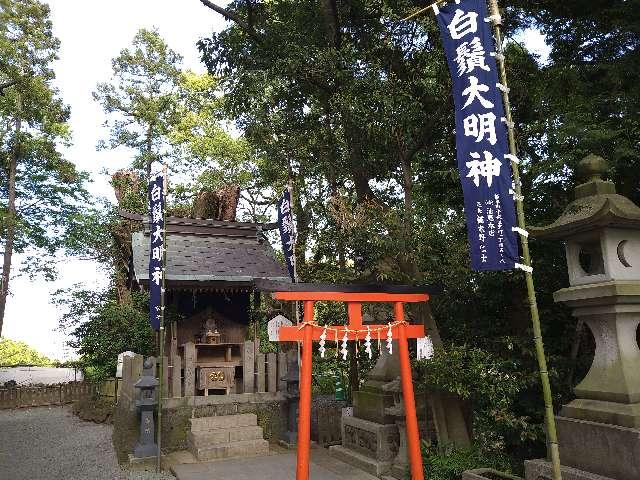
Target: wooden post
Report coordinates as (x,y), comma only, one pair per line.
(189,369)
(260,360)
(304,409)
(283,369)
(248,367)
(413,436)
(272,379)
(176,371)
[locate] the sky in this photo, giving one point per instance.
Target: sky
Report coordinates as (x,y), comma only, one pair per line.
(91,34)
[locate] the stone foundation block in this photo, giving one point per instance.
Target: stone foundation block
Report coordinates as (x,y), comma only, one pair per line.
(600,448)
(371,439)
(542,470)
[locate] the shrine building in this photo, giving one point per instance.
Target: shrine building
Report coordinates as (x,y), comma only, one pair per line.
(211,271)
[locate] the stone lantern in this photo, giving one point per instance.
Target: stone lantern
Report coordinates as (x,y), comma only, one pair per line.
(599,431)
(146,402)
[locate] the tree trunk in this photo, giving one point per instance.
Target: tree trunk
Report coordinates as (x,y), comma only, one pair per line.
(11,222)
(452,425)
(407,173)
(149,145)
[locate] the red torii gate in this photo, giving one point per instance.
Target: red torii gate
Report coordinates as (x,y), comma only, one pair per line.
(308,331)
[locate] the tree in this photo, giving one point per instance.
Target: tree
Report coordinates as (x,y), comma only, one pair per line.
(209,155)
(14,353)
(350,112)
(354,108)
(101,327)
(592,100)
(142,98)
(40,191)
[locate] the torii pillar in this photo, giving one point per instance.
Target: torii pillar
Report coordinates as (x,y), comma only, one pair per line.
(308,332)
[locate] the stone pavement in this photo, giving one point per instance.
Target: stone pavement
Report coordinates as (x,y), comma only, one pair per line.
(272,467)
(49,443)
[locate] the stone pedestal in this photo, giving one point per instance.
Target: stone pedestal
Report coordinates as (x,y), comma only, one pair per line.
(370,438)
(596,450)
(370,402)
(146,446)
(368,445)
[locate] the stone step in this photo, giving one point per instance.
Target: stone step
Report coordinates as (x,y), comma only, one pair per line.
(223,422)
(245,448)
(207,438)
(369,465)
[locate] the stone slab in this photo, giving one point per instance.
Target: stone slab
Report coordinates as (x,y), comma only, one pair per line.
(248,367)
(165,377)
(272,368)
(487,474)
(176,374)
(621,414)
(541,469)
(260,370)
(272,467)
(363,462)
(224,422)
(599,448)
(374,440)
(246,448)
(231,399)
(200,438)
(189,369)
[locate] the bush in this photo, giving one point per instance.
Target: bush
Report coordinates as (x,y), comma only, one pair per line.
(448,463)
(102,328)
(492,386)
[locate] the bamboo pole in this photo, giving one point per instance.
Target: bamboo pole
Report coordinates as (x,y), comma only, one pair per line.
(552,436)
(165,184)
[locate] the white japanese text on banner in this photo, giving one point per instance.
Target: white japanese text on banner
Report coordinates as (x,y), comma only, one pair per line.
(156,251)
(481,135)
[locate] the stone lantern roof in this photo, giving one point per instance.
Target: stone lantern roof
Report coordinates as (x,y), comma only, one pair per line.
(596,206)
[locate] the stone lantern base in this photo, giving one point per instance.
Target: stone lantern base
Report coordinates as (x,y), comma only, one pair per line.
(593,451)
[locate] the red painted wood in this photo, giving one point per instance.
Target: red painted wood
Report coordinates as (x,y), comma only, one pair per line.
(354,312)
(352,297)
(308,332)
(295,333)
(304,408)
(413,436)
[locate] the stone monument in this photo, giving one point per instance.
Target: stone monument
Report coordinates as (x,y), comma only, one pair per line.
(400,465)
(290,437)
(599,431)
(370,438)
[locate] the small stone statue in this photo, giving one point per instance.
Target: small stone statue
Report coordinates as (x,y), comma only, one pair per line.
(210,332)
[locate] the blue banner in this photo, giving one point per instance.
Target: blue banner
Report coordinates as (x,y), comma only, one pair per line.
(287,231)
(481,135)
(156,251)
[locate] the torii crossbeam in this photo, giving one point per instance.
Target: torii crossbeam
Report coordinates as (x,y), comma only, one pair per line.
(354,296)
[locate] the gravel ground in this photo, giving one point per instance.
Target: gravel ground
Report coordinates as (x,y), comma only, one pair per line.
(52,444)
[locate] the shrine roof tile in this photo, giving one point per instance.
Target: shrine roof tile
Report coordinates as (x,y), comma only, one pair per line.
(211,256)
